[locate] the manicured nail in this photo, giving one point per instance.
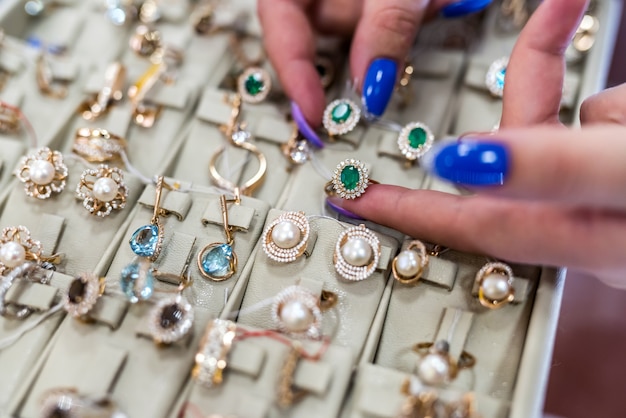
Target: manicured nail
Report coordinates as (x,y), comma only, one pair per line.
(378,85)
(304,127)
(335,204)
(469,163)
(464,8)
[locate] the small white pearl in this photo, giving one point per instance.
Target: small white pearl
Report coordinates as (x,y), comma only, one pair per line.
(105,189)
(286,234)
(296,316)
(357,252)
(433,370)
(12,254)
(496,287)
(408,263)
(41,172)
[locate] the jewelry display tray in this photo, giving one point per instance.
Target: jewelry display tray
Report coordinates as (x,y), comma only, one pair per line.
(376,322)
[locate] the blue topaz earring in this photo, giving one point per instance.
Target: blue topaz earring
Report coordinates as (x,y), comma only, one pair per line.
(217,261)
(147,240)
(494,80)
(137,280)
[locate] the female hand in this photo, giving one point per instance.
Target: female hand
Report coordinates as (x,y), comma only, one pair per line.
(544,195)
(383,34)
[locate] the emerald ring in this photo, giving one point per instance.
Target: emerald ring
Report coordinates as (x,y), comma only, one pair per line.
(254,84)
(415,140)
(341,116)
(350,179)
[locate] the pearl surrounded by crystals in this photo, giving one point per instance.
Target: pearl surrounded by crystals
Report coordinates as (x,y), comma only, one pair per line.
(433,370)
(12,254)
(286,234)
(357,252)
(408,263)
(105,189)
(496,286)
(41,172)
(296,316)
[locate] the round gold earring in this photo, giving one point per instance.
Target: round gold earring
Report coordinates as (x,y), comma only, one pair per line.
(495,285)
(357,253)
(285,239)
(43,173)
(408,266)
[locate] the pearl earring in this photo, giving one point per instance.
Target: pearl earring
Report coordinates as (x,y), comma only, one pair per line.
(357,253)
(285,239)
(17,247)
(296,311)
(43,173)
(102,190)
(408,266)
(436,367)
(495,285)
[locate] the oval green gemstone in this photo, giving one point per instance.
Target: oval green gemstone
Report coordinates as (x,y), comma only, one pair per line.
(254,84)
(417,137)
(350,177)
(341,112)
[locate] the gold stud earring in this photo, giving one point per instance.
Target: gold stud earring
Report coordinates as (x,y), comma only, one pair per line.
(285,239)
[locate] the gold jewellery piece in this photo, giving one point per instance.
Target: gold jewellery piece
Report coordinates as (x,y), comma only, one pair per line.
(408,266)
(10,118)
(287,393)
(43,173)
(17,247)
(147,42)
(27,270)
(285,238)
(421,403)
(68,402)
(47,83)
(82,295)
(297,312)
(357,253)
(147,240)
(212,356)
(296,150)
(254,84)
(350,180)
(98,145)
(495,285)
(218,261)
(102,190)
(436,367)
(111,92)
(415,140)
(341,117)
(145,114)
(171,319)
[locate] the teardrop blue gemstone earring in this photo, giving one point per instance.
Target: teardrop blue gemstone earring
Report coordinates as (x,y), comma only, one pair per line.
(147,240)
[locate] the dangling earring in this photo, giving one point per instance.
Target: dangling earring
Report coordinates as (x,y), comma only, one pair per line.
(217,261)
(147,240)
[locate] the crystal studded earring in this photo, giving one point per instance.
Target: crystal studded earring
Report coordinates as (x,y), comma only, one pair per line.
(495,285)
(83,294)
(357,253)
(285,239)
(217,261)
(171,319)
(43,173)
(147,240)
(102,190)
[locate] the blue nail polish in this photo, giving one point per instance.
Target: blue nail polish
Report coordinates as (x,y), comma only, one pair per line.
(464,8)
(470,163)
(378,85)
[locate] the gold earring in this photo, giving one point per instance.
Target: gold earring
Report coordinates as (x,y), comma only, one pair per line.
(82,295)
(285,239)
(495,285)
(408,266)
(102,190)
(171,319)
(357,253)
(43,173)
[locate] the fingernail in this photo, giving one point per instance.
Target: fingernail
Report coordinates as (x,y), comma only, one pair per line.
(464,8)
(335,204)
(378,85)
(304,127)
(469,163)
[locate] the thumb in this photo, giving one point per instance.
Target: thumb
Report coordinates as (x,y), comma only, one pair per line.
(382,39)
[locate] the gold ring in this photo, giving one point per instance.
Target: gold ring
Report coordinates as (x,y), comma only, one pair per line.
(408,266)
(349,181)
(98,145)
(495,285)
(436,366)
(211,358)
(250,185)
(9,118)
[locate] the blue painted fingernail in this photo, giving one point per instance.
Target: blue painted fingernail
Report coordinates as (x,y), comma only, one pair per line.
(378,85)
(464,8)
(469,163)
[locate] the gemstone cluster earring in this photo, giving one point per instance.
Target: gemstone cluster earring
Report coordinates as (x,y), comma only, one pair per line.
(83,294)
(217,261)
(341,117)
(171,319)
(357,253)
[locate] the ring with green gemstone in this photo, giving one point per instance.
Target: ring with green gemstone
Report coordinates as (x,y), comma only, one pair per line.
(494,80)
(350,179)
(254,84)
(415,140)
(341,116)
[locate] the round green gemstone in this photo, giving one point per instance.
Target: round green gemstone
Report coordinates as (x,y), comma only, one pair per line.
(350,177)
(254,84)
(341,112)
(417,137)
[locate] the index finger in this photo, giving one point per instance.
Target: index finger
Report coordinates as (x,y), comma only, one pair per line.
(289,42)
